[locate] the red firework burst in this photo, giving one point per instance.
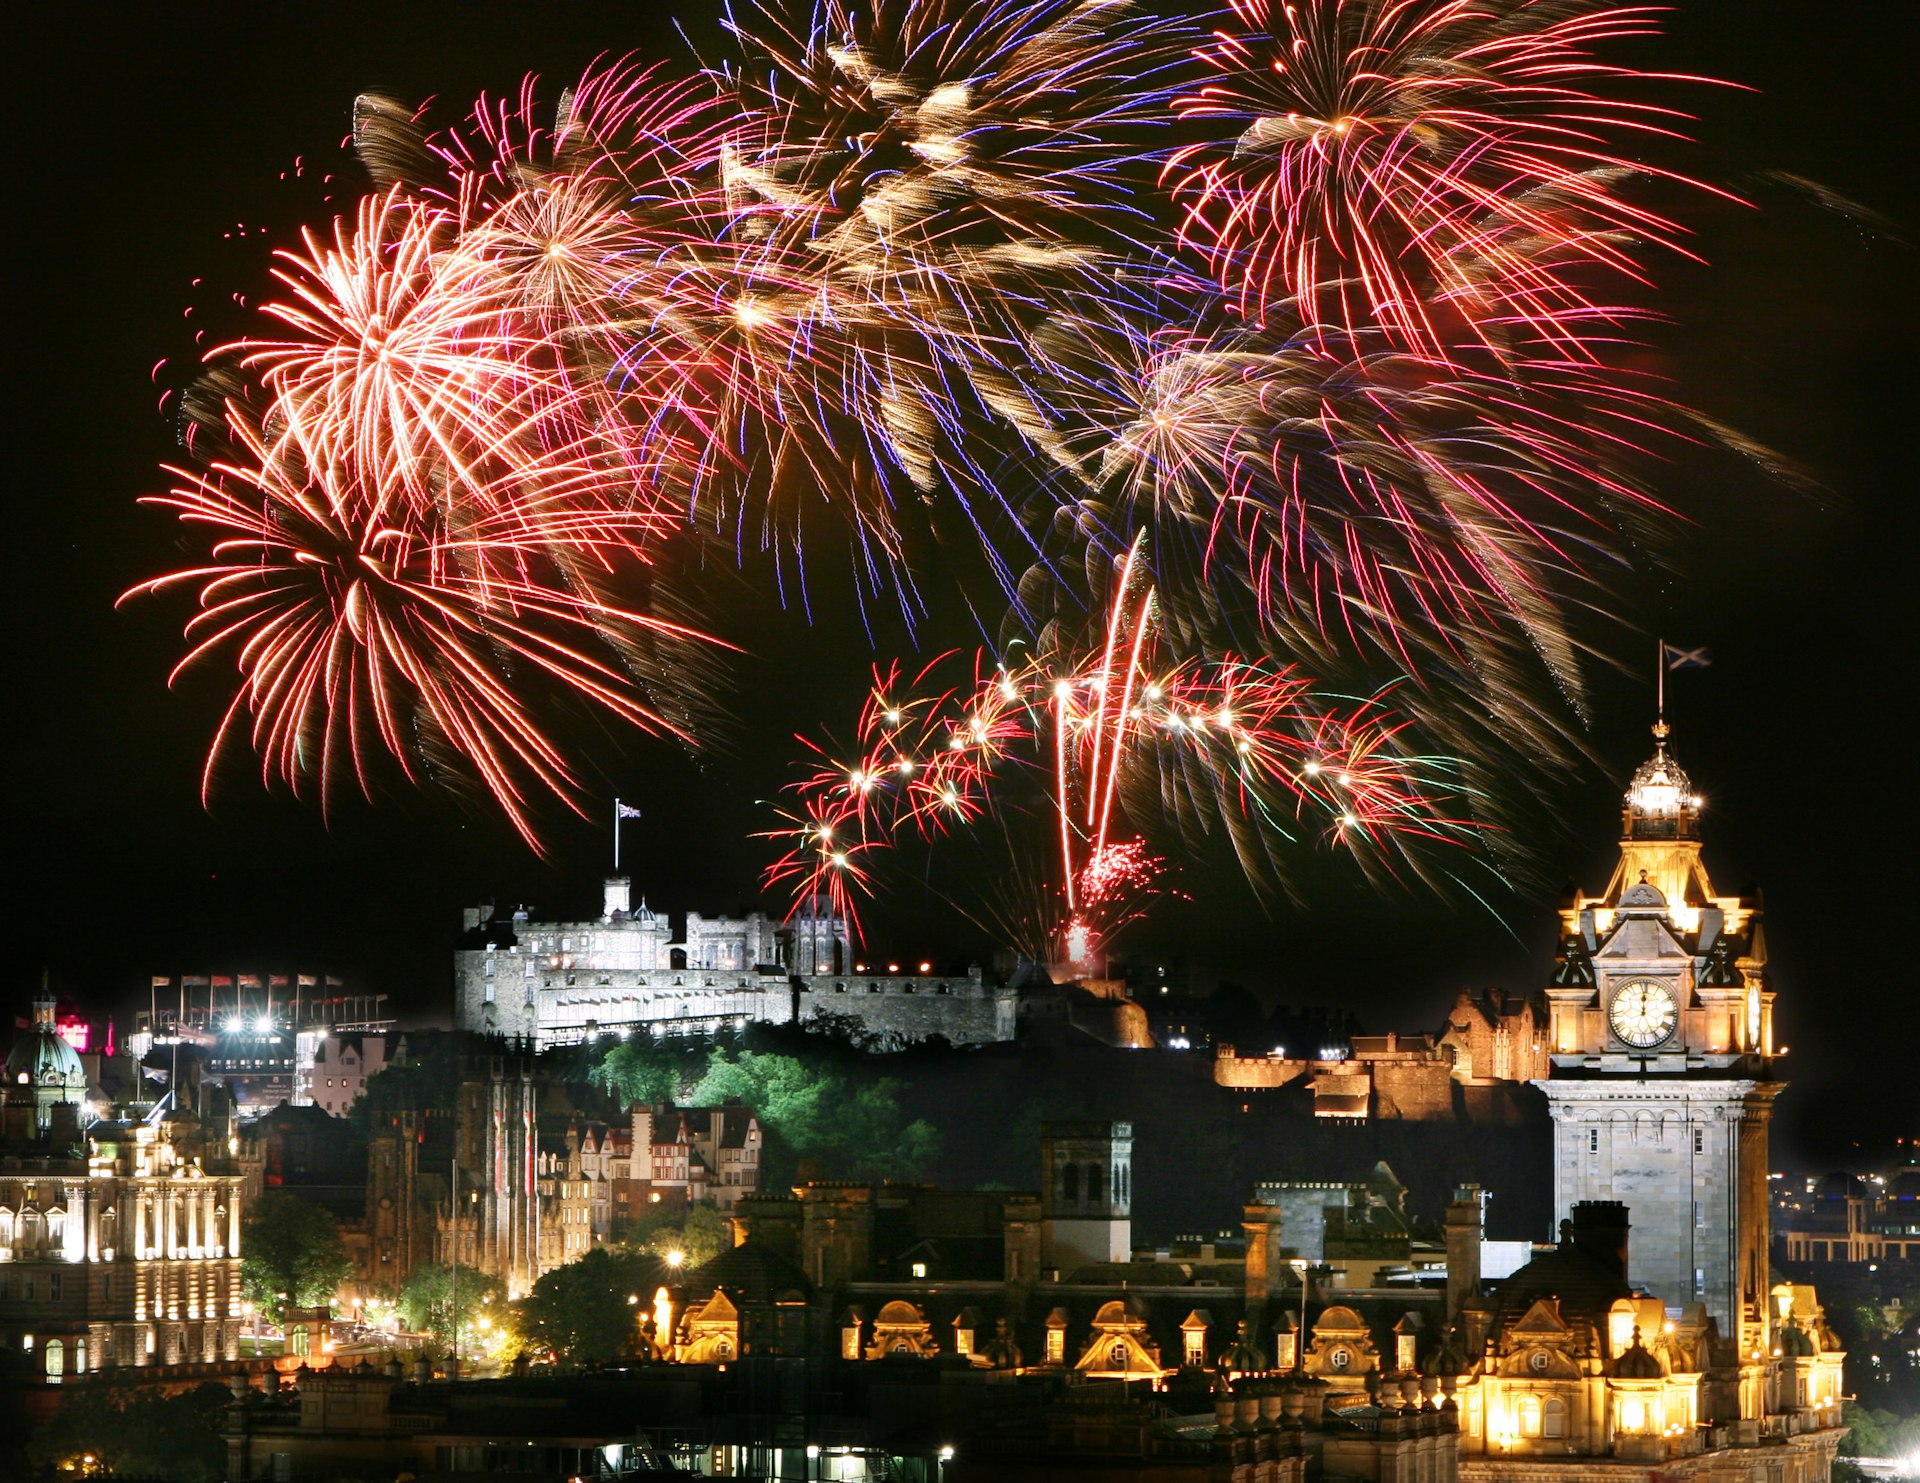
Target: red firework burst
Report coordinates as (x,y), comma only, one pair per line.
(1413,166)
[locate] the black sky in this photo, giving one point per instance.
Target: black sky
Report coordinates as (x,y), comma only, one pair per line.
(144,133)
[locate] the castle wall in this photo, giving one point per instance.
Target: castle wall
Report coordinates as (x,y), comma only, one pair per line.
(559,983)
(910,1007)
(1412,1082)
(1418,1090)
(1256,1073)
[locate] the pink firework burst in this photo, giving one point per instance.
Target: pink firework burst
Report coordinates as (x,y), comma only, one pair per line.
(1423,167)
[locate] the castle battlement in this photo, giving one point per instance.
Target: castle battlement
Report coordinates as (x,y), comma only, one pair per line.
(560,983)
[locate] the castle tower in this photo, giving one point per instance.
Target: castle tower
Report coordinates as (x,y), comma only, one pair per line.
(1662,1081)
(1086,1194)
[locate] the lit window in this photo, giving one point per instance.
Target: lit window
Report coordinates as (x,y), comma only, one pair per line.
(919,1269)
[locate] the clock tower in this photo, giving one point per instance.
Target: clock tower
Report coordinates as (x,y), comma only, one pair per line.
(1660,1035)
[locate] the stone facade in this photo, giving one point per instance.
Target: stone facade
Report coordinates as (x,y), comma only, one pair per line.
(559,983)
(333,1075)
(1660,1023)
(122,1253)
(1495,1037)
(1386,1076)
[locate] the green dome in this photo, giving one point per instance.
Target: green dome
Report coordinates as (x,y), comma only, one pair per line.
(40,1056)
(43,1058)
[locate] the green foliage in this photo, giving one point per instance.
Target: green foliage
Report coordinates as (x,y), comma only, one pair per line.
(814,1094)
(698,1232)
(291,1253)
(645,1071)
(426,1302)
(855,1130)
(1868,1437)
(590,1309)
(137,1433)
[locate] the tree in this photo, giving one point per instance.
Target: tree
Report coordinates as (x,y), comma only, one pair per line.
(137,1433)
(641,1071)
(698,1232)
(292,1253)
(858,1131)
(426,1302)
(590,1309)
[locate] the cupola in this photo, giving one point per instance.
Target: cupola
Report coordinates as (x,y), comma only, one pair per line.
(1660,802)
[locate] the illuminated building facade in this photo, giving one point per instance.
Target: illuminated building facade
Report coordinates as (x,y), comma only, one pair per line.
(560,983)
(1660,1024)
(119,1239)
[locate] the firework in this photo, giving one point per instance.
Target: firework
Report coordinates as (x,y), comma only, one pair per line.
(1118,737)
(918,182)
(1350,510)
(362,624)
(1424,168)
(847,274)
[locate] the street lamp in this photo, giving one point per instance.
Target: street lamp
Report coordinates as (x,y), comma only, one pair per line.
(1299,1265)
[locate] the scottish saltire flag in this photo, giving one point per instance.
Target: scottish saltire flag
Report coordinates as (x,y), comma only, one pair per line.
(1678,658)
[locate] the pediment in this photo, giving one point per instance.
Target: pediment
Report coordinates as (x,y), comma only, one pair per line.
(1119,1353)
(1642,940)
(1539,1362)
(1541,1320)
(717,1309)
(1339,1320)
(1118,1316)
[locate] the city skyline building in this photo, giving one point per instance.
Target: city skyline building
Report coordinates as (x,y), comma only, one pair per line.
(1663,1075)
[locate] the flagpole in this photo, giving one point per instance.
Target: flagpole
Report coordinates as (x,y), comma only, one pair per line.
(616,836)
(1660,678)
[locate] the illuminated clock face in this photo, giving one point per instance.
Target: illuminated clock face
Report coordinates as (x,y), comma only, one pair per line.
(1642,1012)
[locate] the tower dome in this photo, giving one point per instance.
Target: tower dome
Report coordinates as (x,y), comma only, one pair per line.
(1660,802)
(40,1056)
(42,1068)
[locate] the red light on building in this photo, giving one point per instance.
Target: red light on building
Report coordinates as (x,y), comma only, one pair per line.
(74,1030)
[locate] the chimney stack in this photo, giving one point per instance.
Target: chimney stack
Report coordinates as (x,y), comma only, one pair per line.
(1262,1225)
(1464,1229)
(1600,1229)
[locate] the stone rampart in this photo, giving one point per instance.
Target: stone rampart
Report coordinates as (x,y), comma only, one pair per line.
(903,1008)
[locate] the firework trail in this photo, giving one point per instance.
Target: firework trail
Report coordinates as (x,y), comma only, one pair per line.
(1430,170)
(362,624)
(890,254)
(1119,736)
(915,186)
(1385,507)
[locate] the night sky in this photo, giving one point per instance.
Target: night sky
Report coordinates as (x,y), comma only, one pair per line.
(144,134)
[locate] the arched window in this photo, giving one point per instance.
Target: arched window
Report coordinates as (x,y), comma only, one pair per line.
(56,1359)
(1096,1184)
(6,1226)
(1070,1182)
(1529,1415)
(1553,1417)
